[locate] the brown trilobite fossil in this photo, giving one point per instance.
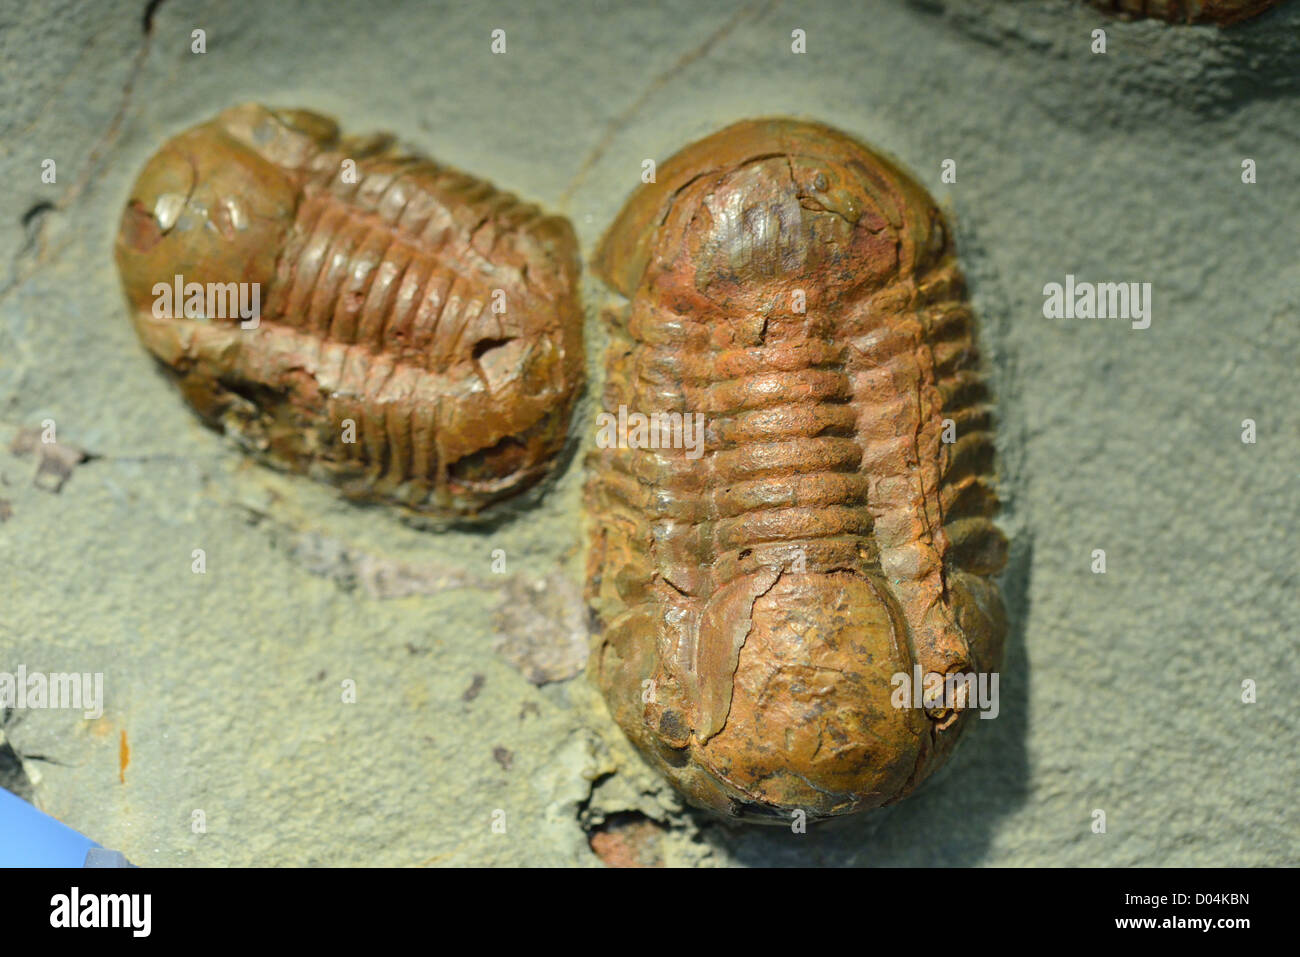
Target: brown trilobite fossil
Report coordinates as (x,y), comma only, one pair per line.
(1223,12)
(420,333)
(760,585)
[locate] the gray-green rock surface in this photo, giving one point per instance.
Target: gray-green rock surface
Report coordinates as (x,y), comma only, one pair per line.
(1122,691)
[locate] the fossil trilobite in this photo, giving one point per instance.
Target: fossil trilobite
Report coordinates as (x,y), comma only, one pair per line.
(419,339)
(1223,12)
(757,603)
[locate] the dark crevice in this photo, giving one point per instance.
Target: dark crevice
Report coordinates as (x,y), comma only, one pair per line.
(13,776)
(585,803)
(674,586)
(150,9)
(39,209)
(484,346)
(46,759)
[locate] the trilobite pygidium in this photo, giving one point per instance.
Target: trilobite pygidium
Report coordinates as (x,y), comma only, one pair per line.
(801,292)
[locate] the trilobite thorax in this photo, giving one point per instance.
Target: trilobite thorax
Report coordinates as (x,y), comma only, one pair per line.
(420,337)
(800,292)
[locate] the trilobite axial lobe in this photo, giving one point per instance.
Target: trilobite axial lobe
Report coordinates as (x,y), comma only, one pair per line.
(801,292)
(420,335)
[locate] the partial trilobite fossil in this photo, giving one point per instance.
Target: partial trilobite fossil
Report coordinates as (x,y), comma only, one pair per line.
(400,329)
(761,591)
(1223,12)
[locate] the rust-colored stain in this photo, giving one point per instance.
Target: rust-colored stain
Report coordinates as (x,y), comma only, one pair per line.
(1223,12)
(420,332)
(123,756)
(631,844)
(800,292)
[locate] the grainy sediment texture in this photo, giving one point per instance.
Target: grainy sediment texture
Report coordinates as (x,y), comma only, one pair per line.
(791,299)
(1121,692)
(399,329)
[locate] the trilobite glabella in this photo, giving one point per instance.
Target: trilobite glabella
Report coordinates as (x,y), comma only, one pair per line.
(1223,12)
(420,332)
(759,591)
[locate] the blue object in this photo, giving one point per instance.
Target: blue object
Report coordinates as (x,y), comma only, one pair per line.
(102,857)
(29,838)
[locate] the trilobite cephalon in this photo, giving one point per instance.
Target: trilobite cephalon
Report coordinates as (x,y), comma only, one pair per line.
(800,292)
(1223,12)
(420,336)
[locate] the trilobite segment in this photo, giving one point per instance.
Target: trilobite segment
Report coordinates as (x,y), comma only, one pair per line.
(418,338)
(758,590)
(1223,12)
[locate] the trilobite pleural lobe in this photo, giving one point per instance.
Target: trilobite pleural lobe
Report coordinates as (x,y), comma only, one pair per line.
(758,597)
(419,338)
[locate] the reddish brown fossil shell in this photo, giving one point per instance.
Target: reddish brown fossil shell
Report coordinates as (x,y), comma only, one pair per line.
(800,292)
(420,335)
(1223,12)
